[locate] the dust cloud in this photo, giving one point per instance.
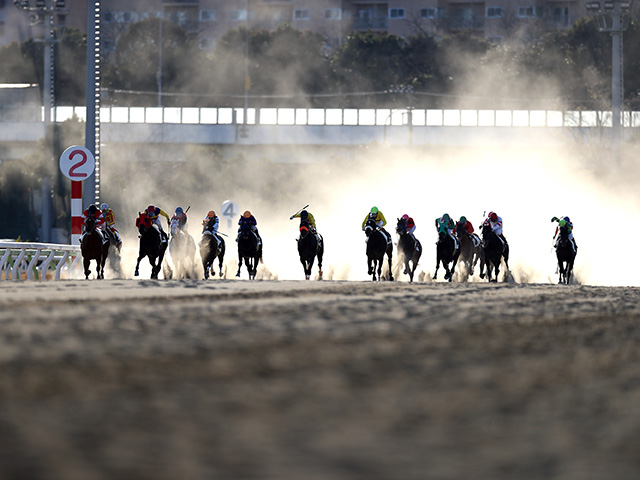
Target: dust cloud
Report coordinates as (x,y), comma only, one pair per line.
(526,186)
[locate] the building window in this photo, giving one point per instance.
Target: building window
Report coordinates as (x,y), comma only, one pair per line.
(238,15)
(561,15)
(301,14)
(494,12)
(526,12)
(207,43)
(146,15)
(428,12)
(120,17)
(396,13)
(207,15)
(332,14)
(108,45)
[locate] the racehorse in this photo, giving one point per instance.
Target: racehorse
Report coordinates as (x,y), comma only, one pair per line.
(566,255)
(248,250)
(114,252)
(310,246)
(447,252)
(151,245)
(211,246)
(182,249)
(93,248)
(377,246)
(470,254)
(409,248)
(494,251)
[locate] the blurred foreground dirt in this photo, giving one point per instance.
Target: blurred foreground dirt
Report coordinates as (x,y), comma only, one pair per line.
(129,379)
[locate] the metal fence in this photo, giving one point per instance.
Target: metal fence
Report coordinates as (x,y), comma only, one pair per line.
(37,261)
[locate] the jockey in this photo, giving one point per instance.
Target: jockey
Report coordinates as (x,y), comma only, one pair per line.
(181,217)
(95,213)
(248,220)
(410,224)
(153,213)
(211,223)
(304,215)
(377,216)
(445,224)
(495,222)
(410,227)
(468,227)
(562,221)
(110,221)
(308,217)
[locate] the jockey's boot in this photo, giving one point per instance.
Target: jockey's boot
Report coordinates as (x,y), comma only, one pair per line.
(164,237)
(575,245)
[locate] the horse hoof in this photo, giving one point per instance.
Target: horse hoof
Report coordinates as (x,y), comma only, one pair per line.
(306,277)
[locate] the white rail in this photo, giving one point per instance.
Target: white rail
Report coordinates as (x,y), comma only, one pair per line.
(37,261)
(366,117)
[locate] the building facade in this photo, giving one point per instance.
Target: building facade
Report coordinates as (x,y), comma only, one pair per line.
(211,19)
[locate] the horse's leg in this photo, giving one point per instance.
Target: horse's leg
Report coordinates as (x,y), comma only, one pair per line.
(320,265)
(389,259)
(435,275)
(205,267)
(239,265)
(137,272)
(86,262)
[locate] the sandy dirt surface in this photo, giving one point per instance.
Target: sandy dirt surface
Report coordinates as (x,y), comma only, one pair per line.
(141,379)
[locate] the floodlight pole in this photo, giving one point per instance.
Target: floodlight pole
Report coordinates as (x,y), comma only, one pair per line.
(46,25)
(612,17)
(91,185)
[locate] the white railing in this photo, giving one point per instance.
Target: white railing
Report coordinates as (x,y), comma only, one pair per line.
(37,261)
(331,116)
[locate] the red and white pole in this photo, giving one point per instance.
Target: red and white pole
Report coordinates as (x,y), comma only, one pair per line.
(76,212)
(76,163)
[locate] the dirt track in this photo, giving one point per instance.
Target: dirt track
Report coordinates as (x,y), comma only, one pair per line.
(128,379)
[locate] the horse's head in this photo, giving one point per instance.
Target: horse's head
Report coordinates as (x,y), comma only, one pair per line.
(304,228)
(460,230)
(486,230)
(370,226)
(401,227)
(564,233)
(143,223)
(90,224)
(175,226)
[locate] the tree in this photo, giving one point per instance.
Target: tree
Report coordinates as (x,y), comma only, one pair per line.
(136,62)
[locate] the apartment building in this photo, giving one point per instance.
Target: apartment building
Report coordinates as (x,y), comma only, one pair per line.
(211,19)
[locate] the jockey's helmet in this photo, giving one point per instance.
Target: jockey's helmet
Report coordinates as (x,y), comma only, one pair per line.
(93,209)
(566,219)
(405,217)
(304,214)
(179,211)
(104,207)
(246,213)
(446,217)
(151,209)
(211,214)
(493,216)
(374,209)
(463,219)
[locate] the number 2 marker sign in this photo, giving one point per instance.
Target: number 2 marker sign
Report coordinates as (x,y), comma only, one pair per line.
(77,163)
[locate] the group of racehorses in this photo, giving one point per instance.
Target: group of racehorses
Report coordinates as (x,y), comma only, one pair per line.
(464,248)
(465,251)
